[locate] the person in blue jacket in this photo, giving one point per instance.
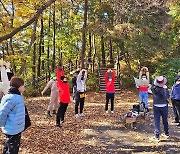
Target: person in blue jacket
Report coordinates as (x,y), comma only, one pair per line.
(175,98)
(160,105)
(12,115)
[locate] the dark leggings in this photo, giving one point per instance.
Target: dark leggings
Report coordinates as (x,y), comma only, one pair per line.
(12,144)
(61,112)
(109,96)
(79,101)
(176,109)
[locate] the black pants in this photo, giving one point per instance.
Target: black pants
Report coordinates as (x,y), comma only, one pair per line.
(61,112)
(12,144)
(109,96)
(176,109)
(79,101)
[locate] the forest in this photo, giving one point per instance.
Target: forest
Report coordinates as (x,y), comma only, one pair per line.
(37,35)
(118,38)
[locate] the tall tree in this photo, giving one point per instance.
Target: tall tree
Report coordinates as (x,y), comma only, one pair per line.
(84,33)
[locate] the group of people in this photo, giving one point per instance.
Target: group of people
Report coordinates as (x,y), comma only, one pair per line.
(60,94)
(161,95)
(13,110)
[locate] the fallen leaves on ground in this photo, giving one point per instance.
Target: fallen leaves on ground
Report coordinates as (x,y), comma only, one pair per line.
(97,132)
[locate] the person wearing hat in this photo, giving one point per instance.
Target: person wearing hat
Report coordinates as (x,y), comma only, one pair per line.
(160,105)
(54,96)
(12,115)
(110,89)
(175,98)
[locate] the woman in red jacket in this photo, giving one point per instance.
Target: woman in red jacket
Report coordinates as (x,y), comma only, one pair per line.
(64,95)
(110,90)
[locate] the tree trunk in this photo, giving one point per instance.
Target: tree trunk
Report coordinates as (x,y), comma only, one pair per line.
(126,59)
(111,53)
(42,28)
(48,45)
(84,33)
(103,51)
(34,60)
(40,51)
(54,38)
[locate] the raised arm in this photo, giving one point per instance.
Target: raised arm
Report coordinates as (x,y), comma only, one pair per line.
(113,76)
(80,75)
(106,77)
(59,73)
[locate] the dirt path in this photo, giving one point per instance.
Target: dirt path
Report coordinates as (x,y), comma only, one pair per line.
(96,133)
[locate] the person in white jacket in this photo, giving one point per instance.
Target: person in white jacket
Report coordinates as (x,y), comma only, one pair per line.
(4,83)
(54,96)
(80,93)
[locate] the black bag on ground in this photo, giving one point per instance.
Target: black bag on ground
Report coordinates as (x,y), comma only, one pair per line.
(27,119)
(136,108)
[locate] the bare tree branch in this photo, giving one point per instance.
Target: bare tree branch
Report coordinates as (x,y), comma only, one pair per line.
(18,29)
(5,8)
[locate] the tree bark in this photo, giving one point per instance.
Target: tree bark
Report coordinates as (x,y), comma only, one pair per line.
(34,59)
(40,50)
(111,52)
(103,51)
(84,33)
(48,45)
(54,38)
(35,17)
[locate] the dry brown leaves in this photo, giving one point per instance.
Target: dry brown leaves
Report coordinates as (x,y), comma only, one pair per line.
(97,132)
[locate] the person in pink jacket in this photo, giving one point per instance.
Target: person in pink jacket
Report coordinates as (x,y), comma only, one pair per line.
(110,90)
(54,96)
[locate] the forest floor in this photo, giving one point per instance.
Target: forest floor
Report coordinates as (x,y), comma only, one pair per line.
(97,132)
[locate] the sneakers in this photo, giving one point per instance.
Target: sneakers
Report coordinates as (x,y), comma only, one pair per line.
(74,101)
(112,112)
(107,111)
(76,115)
(54,112)
(156,137)
(81,115)
(58,125)
(48,114)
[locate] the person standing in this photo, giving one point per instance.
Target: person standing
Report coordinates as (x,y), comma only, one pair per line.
(160,105)
(175,98)
(110,89)
(80,93)
(64,96)
(12,116)
(74,85)
(54,96)
(143,88)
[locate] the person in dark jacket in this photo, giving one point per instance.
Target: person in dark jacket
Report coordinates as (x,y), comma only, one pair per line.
(74,85)
(175,98)
(12,116)
(160,105)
